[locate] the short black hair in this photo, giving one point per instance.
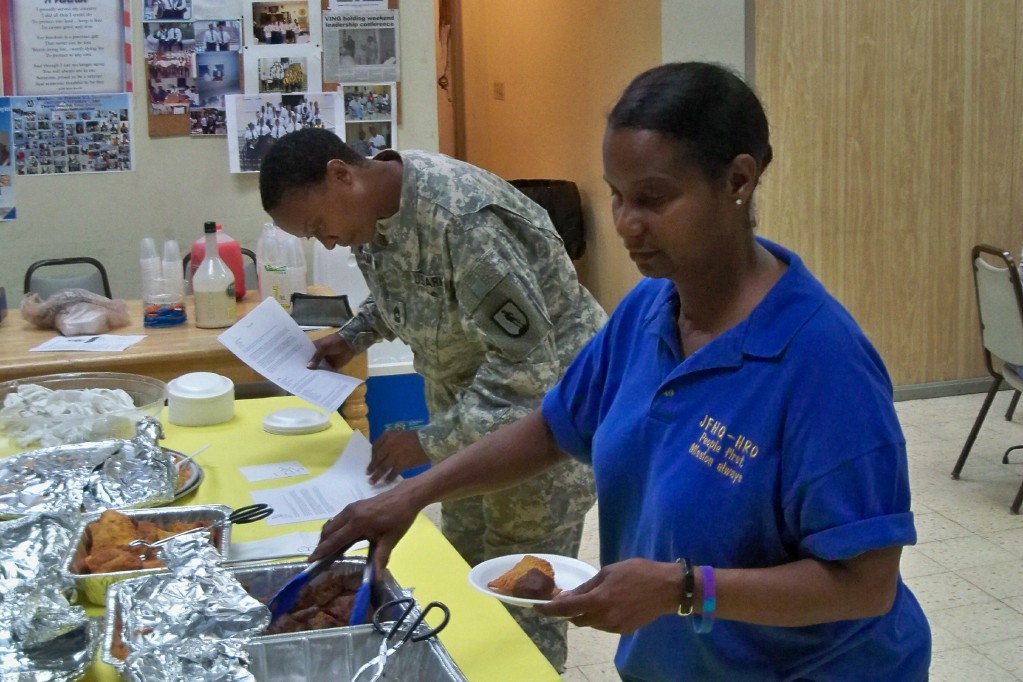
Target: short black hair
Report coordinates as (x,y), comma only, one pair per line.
(299,160)
(707,108)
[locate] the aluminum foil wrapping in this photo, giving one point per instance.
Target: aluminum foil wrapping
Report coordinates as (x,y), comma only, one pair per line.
(43,637)
(69,479)
(191,624)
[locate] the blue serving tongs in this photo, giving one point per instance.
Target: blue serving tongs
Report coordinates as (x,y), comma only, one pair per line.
(360,608)
(286,597)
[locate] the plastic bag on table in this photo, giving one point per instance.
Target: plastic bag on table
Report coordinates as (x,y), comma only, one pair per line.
(75,311)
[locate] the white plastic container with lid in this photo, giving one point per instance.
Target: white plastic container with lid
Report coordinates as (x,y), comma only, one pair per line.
(213,287)
(280,265)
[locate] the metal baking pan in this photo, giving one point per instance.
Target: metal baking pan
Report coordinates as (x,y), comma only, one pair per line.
(262,580)
(93,586)
(336,654)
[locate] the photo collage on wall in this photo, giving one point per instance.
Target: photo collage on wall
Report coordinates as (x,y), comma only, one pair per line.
(72,134)
(192,51)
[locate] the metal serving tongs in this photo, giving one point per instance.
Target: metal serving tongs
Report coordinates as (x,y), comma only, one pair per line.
(247,514)
(402,625)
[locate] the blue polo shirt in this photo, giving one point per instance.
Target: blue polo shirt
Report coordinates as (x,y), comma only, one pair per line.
(776,441)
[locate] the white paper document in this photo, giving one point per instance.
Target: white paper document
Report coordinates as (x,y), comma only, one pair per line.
(97,343)
(269,341)
(327,494)
(265,472)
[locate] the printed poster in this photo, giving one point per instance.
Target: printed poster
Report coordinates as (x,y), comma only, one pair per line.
(66,46)
(7,204)
(72,134)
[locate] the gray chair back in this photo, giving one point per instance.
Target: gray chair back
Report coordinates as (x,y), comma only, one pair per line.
(62,273)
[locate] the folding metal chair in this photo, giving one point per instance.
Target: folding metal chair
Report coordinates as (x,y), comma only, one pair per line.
(1000,306)
(93,279)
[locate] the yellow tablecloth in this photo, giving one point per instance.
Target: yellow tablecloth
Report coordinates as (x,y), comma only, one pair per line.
(482,637)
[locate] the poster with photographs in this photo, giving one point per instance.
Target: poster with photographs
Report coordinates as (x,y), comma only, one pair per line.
(281,23)
(360,47)
(369,124)
(255,122)
(72,134)
(172,83)
(7,205)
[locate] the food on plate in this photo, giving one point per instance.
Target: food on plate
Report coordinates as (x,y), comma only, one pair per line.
(326,602)
(531,578)
(184,474)
(108,541)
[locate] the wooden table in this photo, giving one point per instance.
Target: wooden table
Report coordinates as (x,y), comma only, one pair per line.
(165,353)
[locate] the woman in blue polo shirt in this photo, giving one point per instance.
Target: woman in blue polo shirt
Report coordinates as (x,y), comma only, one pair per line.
(751,472)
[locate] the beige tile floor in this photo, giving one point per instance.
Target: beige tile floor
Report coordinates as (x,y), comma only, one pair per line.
(967,568)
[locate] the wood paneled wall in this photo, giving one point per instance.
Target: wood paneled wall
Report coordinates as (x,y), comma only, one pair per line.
(896,128)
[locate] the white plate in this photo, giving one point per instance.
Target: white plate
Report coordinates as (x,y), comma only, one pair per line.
(569,573)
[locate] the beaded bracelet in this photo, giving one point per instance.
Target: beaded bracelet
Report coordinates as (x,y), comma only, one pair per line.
(705,621)
(685,604)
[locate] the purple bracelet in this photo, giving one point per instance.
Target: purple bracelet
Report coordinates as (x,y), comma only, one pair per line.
(703,622)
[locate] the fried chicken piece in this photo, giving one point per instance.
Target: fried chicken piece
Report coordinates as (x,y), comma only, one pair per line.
(505,583)
(110,559)
(341,608)
(323,620)
(112,529)
(150,532)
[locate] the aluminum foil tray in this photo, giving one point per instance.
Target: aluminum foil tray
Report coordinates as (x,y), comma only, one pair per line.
(93,586)
(336,654)
(262,580)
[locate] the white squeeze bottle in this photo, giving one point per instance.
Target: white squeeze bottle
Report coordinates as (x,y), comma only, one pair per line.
(213,286)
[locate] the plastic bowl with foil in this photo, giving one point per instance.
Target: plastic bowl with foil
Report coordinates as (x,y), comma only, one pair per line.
(32,417)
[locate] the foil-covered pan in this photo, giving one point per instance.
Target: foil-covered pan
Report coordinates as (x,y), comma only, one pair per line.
(336,654)
(83,477)
(190,623)
(43,637)
(93,586)
(262,580)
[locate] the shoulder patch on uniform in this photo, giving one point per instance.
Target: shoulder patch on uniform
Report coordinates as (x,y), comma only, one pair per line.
(511,319)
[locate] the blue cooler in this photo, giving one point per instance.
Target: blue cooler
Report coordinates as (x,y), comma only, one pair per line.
(395,398)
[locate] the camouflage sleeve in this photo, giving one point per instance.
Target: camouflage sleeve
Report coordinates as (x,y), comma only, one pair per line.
(502,305)
(366,328)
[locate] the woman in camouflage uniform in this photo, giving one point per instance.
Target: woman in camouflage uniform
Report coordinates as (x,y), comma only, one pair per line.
(473,276)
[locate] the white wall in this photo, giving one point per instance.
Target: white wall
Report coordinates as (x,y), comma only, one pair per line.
(178,182)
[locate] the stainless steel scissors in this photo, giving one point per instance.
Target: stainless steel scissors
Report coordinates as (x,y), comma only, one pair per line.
(375,665)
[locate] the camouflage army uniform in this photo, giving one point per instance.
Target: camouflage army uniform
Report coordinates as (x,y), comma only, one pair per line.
(475,279)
